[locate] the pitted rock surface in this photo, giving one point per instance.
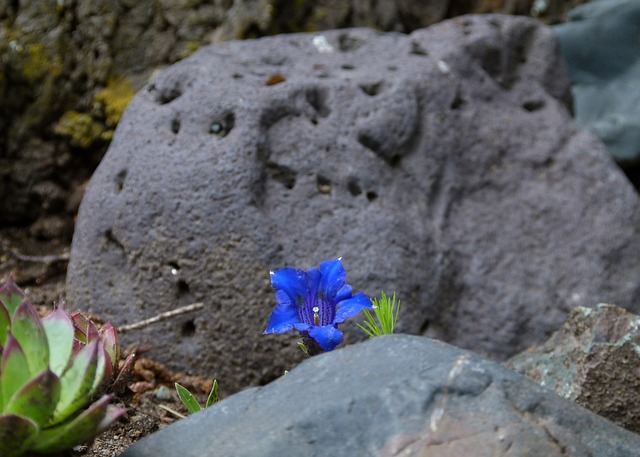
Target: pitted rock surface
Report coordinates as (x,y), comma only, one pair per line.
(594,360)
(443,165)
(395,395)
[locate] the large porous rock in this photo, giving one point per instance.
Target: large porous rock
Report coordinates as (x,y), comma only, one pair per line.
(395,395)
(443,165)
(67,68)
(594,360)
(601,46)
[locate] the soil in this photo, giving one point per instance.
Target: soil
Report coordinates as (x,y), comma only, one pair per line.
(39,268)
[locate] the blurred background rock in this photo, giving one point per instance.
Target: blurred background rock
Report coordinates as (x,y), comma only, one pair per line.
(68,68)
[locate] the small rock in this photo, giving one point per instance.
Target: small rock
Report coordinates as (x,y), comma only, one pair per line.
(594,360)
(391,396)
(163,393)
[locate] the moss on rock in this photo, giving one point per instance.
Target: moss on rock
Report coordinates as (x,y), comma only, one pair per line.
(113,99)
(81,129)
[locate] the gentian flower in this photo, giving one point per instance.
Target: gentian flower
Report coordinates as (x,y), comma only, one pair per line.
(314,302)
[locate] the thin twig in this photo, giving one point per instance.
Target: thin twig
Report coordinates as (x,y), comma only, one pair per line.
(172,411)
(160,317)
(43,258)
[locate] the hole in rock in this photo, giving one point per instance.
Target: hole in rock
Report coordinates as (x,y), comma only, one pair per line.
(111,239)
(120,178)
(348,42)
(317,98)
(175,126)
(323,184)
(371,195)
(354,187)
(166,94)
(188,328)
(373,89)
(458,102)
(417,49)
(394,160)
(222,127)
(347,67)
(282,174)
(369,142)
(183,287)
(533,105)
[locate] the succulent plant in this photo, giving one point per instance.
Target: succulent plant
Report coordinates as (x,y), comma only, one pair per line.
(50,369)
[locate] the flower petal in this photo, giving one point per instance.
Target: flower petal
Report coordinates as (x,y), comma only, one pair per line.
(328,336)
(333,278)
(313,283)
(284,316)
(301,326)
(352,306)
(344,293)
(292,281)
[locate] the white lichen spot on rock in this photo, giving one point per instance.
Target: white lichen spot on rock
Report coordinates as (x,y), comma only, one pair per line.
(444,67)
(322,45)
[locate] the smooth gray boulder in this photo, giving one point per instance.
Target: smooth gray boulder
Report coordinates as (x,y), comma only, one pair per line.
(600,43)
(443,165)
(394,396)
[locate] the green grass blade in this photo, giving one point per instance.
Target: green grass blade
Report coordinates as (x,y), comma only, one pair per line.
(187,399)
(213,395)
(386,312)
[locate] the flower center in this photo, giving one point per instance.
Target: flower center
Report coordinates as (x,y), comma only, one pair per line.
(316,316)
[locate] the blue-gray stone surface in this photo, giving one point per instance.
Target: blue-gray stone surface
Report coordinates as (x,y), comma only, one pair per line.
(600,42)
(393,396)
(443,165)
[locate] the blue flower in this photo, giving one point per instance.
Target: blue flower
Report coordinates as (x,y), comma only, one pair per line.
(314,302)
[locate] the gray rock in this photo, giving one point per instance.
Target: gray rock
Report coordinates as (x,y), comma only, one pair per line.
(601,46)
(443,165)
(395,395)
(56,58)
(594,360)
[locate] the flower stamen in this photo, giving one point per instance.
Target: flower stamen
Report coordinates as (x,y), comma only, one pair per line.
(316,316)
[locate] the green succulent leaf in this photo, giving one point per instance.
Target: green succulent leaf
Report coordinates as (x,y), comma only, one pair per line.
(187,399)
(27,328)
(11,296)
(5,324)
(101,368)
(17,433)
(111,343)
(37,399)
(92,332)
(77,383)
(58,328)
(213,395)
(84,427)
(81,324)
(15,372)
